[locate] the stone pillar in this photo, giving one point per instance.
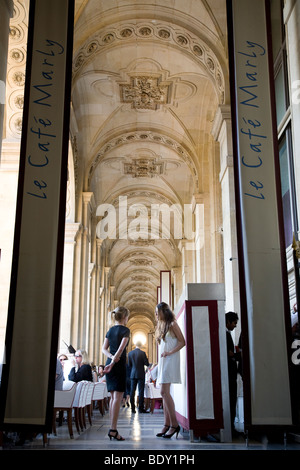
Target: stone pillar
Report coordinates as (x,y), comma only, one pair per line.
(112,301)
(106,306)
(188,264)
(199,241)
(90,323)
(223,134)
(150,348)
(154,355)
(102,324)
(88,205)
(98,339)
(66,317)
(75,335)
(81,274)
(177,287)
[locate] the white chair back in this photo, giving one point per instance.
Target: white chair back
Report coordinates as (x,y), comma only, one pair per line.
(89,393)
(67,384)
(79,387)
(64,398)
(100,391)
(83,394)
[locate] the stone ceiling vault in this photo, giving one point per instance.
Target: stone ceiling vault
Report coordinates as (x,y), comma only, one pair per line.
(148,78)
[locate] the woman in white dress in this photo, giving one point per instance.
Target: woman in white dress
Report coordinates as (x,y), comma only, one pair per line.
(170,340)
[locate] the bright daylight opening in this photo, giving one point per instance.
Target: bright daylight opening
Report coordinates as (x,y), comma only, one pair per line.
(139,337)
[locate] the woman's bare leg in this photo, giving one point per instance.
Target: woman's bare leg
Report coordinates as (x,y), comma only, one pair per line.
(115,403)
(169,406)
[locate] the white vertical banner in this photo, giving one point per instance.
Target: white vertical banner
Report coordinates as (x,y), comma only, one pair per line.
(27,388)
(258,206)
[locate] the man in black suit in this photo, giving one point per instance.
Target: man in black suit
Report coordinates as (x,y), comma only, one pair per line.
(231,322)
(137,360)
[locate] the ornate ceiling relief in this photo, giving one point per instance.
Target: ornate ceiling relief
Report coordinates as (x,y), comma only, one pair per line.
(143,167)
(140,278)
(141,262)
(144,92)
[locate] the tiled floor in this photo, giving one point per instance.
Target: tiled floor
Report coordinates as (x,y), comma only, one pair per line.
(140,431)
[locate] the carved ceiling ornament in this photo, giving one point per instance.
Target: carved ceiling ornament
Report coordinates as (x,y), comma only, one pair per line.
(140,278)
(143,168)
(141,262)
(145,92)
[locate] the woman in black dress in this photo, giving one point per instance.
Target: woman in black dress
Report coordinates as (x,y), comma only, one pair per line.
(114,347)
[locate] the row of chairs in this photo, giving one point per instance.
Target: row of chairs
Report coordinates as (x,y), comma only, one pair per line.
(78,400)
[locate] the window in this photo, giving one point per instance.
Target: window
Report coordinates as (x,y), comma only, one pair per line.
(283,121)
(286,190)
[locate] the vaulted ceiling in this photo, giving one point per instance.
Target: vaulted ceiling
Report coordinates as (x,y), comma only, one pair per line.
(148,78)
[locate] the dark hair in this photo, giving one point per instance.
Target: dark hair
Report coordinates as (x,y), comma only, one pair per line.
(164,320)
(231,316)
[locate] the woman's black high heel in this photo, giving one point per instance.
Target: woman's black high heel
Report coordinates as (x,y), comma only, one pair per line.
(161,434)
(116,436)
(177,429)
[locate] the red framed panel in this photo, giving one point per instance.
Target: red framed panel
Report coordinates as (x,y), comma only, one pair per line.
(190,422)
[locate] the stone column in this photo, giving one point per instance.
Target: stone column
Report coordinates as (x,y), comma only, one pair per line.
(223,134)
(199,240)
(102,323)
(106,303)
(188,263)
(81,274)
(88,205)
(75,335)
(177,288)
(112,301)
(66,317)
(98,340)
(150,347)
(154,354)
(90,323)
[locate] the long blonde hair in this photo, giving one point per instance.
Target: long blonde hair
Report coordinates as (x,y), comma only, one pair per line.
(165,318)
(118,314)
